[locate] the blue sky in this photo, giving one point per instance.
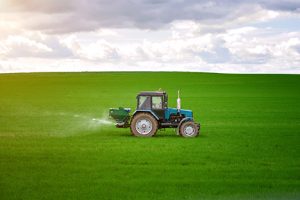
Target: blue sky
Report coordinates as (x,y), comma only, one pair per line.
(259,36)
(284,24)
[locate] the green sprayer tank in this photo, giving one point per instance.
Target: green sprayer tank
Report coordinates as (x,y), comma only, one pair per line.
(120,115)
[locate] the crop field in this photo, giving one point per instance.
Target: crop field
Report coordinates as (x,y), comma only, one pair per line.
(56,141)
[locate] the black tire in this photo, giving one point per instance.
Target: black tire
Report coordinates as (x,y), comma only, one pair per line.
(143,125)
(189,129)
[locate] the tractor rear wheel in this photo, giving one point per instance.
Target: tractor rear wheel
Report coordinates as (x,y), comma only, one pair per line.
(143,125)
(189,129)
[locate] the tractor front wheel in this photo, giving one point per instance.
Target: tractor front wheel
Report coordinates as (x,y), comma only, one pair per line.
(189,129)
(143,125)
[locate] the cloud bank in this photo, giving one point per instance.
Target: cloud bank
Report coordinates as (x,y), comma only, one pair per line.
(150,35)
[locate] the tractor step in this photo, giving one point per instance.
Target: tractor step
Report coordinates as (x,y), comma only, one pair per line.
(168,125)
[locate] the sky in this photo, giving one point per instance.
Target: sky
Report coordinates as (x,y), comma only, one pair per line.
(224,36)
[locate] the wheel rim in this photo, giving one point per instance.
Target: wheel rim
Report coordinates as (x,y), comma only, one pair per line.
(189,130)
(143,126)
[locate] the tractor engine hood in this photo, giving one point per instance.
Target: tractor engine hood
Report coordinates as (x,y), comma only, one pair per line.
(186,113)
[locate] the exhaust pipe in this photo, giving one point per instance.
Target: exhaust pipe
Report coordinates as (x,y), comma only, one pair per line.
(178,103)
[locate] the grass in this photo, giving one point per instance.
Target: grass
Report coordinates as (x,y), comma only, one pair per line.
(50,148)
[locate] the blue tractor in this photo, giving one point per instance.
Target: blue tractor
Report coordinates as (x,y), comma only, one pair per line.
(152,113)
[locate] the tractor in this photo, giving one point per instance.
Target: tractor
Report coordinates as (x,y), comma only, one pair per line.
(152,113)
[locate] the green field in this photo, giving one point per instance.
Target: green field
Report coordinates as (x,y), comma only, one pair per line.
(53,144)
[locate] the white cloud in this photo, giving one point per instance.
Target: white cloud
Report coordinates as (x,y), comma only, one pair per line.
(240,50)
(20,46)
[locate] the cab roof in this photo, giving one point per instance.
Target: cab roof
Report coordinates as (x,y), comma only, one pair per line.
(152,93)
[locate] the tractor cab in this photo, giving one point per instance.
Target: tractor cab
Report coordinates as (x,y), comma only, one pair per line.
(156,102)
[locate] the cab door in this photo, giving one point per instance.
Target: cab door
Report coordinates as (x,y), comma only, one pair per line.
(157,106)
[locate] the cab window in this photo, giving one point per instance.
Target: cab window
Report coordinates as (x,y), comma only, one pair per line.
(144,102)
(157,102)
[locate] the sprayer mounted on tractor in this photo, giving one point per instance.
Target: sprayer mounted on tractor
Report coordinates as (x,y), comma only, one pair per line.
(152,113)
